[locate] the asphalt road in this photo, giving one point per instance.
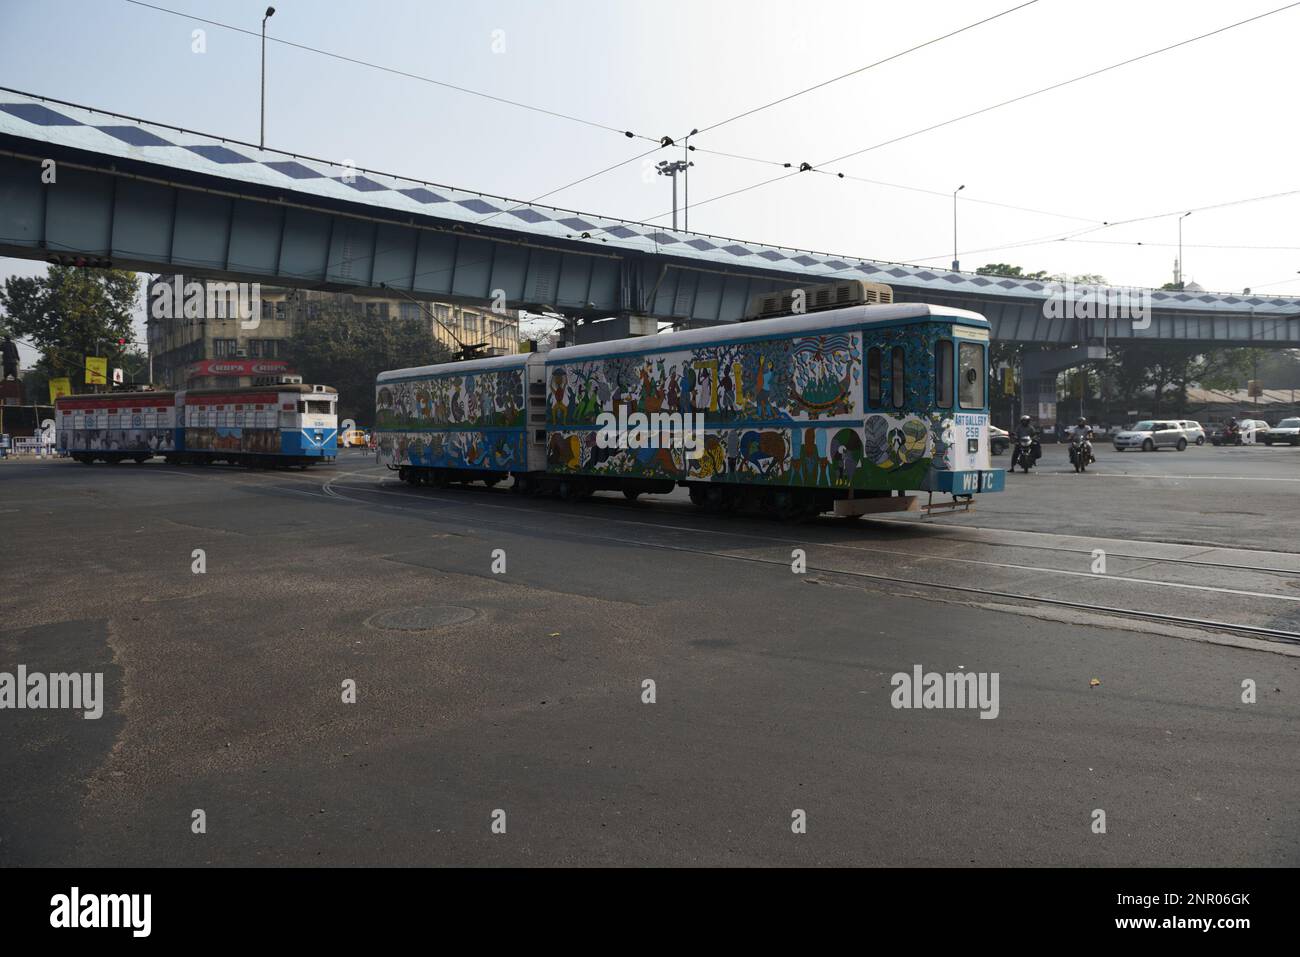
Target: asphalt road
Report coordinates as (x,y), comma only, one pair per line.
(1243,497)
(522,691)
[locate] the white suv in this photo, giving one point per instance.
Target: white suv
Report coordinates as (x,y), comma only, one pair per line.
(1193,431)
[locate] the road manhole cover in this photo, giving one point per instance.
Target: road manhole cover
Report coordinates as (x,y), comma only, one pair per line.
(424,618)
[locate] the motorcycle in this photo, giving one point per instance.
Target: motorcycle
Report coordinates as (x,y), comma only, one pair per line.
(1081,452)
(1026,454)
(1230,435)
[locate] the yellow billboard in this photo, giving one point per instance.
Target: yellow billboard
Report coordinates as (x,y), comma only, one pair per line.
(96,370)
(58,387)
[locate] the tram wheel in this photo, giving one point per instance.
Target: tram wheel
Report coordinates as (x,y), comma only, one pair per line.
(572,491)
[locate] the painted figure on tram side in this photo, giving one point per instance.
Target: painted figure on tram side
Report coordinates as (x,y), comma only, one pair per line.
(811,467)
(726,397)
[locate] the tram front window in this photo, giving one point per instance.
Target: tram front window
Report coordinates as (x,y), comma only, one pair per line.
(970,375)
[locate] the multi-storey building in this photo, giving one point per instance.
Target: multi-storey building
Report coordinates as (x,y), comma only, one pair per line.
(198,336)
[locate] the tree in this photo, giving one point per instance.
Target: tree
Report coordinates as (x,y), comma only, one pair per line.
(1226,369)
(1085,279)
(1007,271)
(70,313)
(341,348)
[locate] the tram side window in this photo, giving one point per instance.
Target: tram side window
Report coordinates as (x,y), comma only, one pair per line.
(943,374)
(971,387)
(897,365)
(873,377)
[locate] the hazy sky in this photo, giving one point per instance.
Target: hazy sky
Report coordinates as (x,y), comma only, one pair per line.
(1207,123)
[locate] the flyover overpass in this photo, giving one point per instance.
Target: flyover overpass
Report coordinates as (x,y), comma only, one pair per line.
(157,198)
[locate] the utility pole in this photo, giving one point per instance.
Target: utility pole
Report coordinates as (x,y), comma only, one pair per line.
(261,141)
(956,265)
(1178,278)
(671,170)
(686,181)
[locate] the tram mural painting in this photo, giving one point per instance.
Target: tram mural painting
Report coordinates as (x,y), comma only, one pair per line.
(778,380)
(835,411)
(467,419)
(777,411)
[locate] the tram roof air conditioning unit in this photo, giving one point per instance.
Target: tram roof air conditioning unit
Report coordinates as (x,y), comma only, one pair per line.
(831,295)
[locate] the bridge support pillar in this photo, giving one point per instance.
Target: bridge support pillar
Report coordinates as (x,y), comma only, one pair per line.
(1038,371)
(619,327)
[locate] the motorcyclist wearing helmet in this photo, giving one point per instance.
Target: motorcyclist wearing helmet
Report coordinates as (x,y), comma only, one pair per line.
(1085,431)
(1025,428)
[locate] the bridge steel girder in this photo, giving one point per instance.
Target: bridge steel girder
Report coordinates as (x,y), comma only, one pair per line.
(143,223)
(1015,320)
(165,219)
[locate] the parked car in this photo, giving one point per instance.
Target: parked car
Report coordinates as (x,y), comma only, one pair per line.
(1193,430)
(999,440)
(1151,434)
(1287,431)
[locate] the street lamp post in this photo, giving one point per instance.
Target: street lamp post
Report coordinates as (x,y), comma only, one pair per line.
(956,265)
(686,181)
(1181,271)
(261,142)
(672,169)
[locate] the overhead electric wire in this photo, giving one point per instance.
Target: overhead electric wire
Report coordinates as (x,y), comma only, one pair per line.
(862,69)
(357,61)
(1142,242)
(1073,236)
(1016,99)
(915,189)
(662,142)
(560,189)
(669,141)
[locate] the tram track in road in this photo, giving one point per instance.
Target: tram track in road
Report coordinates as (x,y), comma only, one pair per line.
(327,489)
(873,548)
(310,485)
(1162,560)
(1265,633)
(352,485)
